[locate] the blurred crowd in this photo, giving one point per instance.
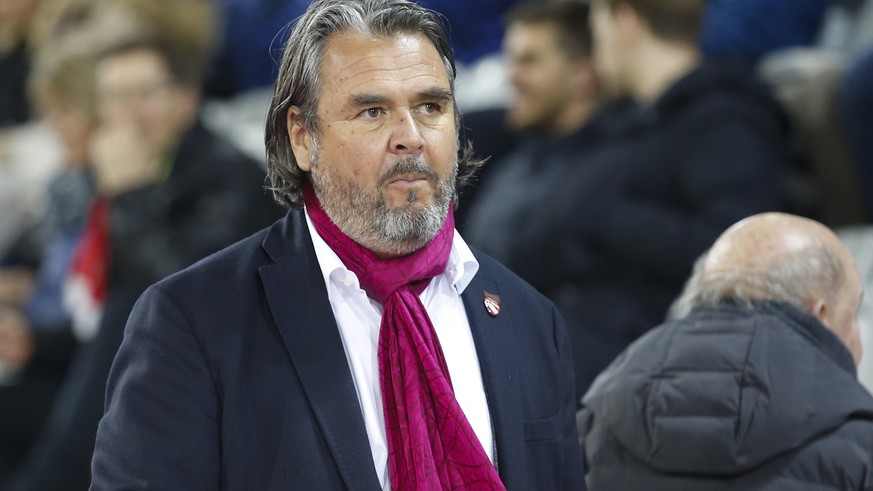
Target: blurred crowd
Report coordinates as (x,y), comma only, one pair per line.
(136,189)
(131,146)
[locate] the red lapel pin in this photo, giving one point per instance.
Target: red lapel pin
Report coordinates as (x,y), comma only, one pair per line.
(492,303)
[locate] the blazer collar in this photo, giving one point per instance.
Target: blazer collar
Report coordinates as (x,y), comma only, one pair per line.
(297,298)
(497,352)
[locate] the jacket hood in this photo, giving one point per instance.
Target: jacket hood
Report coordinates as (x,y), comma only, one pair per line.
(712,86)
(717,77)
(728,82)
(726,389)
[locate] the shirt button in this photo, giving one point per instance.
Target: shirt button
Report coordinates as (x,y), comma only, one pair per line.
(348,280)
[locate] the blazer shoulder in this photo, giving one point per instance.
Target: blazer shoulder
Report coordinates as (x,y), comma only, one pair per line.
(230,267)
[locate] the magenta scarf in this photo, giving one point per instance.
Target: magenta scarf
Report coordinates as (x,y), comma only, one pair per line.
(431,445)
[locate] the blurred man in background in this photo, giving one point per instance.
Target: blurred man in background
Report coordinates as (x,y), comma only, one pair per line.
(700,151)
(523,212)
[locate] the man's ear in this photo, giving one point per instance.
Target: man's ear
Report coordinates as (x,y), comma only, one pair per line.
(628,23)
(584,78)
(819,309)
(301,140)
(191,99)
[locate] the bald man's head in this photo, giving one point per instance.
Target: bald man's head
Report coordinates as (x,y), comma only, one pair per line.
(784,258)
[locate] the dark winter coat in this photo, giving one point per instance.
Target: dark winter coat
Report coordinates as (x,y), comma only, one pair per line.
(731,398)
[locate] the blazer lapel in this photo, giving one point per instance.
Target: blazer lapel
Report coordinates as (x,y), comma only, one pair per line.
(497,356)
(295,292)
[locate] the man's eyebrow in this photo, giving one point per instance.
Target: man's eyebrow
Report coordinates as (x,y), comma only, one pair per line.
(436,93)
(367,100)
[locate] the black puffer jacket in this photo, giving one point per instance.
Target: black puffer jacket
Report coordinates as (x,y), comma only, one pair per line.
(730,399)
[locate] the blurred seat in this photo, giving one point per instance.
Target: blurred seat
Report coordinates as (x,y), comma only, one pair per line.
(805,80)
(29,157)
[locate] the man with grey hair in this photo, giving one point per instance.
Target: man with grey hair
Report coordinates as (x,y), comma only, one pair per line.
(753,386)
(358,343)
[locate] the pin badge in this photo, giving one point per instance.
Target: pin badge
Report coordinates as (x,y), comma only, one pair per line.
(492,303)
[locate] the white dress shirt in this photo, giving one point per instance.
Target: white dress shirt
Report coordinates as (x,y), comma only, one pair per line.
(359,317)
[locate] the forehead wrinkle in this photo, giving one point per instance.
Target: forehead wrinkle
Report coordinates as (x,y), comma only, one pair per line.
(364,92)
(390,74)
(353,73)
(383,60)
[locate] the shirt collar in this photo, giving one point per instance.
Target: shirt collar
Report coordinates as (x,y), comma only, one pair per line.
(461,267)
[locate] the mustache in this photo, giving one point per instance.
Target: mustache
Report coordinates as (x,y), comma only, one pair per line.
(409,165)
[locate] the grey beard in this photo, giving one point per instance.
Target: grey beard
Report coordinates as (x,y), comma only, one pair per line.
(368,220)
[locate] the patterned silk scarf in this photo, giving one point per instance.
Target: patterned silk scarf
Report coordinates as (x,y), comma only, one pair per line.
(431,445)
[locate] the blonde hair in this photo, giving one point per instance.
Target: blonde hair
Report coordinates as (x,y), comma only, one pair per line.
(189,27)
(64,75)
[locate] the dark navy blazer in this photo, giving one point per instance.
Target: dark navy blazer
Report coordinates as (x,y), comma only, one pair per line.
(232,375)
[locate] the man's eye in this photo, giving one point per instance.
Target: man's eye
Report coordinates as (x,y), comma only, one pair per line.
(373,112)
(430,108)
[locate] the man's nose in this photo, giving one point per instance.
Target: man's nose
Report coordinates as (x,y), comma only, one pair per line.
(406,137)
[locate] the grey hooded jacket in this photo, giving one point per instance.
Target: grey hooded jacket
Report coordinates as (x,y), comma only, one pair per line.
(730,398)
